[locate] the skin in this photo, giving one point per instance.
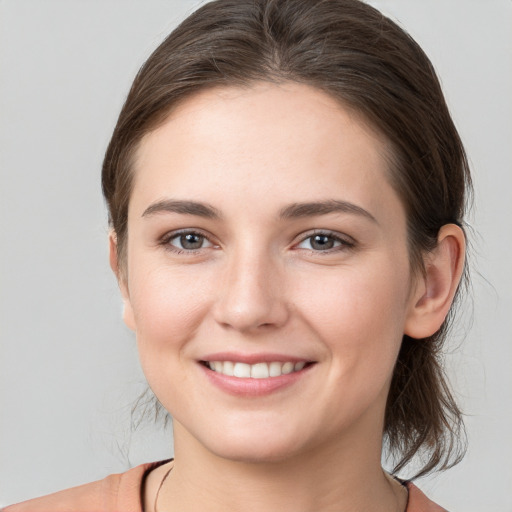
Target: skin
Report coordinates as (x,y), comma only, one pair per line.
(256,284)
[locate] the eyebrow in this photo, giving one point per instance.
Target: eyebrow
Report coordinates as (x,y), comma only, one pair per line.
(183,207)
(298,210)
(292,211)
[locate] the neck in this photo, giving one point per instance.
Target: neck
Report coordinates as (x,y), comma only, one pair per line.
(342,476)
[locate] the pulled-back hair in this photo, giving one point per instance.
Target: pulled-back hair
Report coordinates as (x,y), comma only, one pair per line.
(356,55)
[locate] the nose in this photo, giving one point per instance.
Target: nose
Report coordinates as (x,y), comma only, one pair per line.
(252,294)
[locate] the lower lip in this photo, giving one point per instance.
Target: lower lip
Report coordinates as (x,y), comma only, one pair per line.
(253,387)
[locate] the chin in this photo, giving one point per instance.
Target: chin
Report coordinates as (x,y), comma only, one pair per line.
(254,446)
(257,453)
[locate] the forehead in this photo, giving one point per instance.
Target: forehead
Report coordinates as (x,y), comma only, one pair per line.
(298,107)
(280,140)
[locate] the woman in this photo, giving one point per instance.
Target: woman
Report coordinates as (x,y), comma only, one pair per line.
(286,193)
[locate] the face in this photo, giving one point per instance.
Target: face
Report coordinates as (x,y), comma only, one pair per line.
(267,275)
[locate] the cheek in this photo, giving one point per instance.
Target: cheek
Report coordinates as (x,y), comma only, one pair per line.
(360,315)
(168,306)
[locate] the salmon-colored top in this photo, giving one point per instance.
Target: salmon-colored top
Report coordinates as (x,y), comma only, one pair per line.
(123,492)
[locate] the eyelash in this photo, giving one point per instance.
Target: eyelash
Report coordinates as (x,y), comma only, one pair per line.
(166,241)
(342,242)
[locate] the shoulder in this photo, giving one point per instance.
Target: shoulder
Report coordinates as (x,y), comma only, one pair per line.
(418,502)
(119,492)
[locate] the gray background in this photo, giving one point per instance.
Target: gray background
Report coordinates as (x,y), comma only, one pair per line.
(68,366)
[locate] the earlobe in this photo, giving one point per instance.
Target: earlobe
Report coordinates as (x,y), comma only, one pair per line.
(434,294)
(121,281)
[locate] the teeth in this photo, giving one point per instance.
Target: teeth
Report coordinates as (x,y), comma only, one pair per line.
(287,368)
(274,369)
(259,371)
(242,370)
(227,368)
(217,366)
(255,371)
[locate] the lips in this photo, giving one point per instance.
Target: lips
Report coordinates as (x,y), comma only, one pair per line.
(254,374)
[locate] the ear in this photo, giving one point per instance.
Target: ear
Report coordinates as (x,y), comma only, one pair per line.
(121,280)
(434,292)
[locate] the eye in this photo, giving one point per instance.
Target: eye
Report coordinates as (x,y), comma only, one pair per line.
(324,242)
(188,241)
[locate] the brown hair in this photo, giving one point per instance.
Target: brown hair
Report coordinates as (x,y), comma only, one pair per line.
(358,56)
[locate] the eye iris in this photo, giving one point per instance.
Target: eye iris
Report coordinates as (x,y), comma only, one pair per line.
(191,241)
(322,242)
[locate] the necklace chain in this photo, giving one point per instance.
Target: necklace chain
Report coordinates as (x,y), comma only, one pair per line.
(159,488)
(404,487)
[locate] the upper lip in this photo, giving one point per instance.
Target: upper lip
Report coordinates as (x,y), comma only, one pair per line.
(254,358)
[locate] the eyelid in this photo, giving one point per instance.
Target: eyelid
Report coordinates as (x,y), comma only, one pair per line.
(170,235)
(346,242)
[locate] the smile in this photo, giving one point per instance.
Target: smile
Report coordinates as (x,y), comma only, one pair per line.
(261,370)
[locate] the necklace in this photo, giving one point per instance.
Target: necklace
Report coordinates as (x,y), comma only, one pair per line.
(402,489)
(159,488)
(392,479)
